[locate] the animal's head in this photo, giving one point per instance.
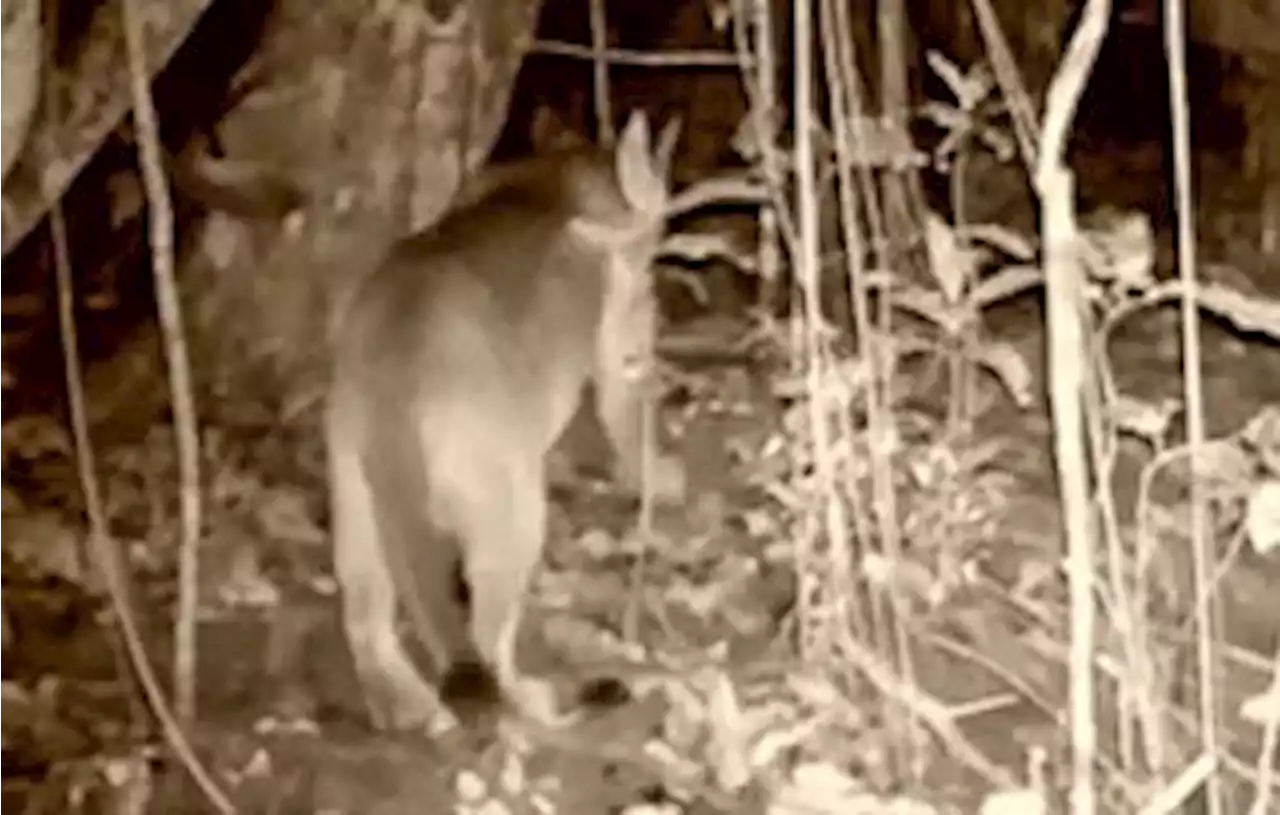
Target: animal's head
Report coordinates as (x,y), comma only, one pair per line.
(620,205)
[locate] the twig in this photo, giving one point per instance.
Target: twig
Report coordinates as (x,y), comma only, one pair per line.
(815,632)
(753,50)
(1174,796)
(1269,753)
(600,73)
(1066,307)
(849,136)
(1193,391)
(160,234)
(623,56)
(1067,86)
(105,549)
(930,710)
(1012,88)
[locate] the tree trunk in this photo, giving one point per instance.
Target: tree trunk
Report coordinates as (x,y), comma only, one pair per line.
(376,112)
(22,55)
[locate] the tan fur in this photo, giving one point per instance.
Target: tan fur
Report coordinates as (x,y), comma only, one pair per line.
(458,365)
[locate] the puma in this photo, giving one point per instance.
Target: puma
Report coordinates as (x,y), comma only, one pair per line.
(458,364)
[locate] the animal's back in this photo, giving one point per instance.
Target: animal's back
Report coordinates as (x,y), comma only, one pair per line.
(497,298)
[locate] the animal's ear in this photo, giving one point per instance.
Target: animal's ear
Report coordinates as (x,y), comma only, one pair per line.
(633,144)
(666,148)
(644,187)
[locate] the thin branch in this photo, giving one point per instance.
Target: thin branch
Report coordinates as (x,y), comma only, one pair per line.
(600,73)
(1193,391)
(1012,88)
(70,340)
(1068,85)
(624,56)
(160,234)
(105,549)
(1066,311)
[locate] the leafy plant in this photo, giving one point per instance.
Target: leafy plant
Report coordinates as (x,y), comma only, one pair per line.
(953,301)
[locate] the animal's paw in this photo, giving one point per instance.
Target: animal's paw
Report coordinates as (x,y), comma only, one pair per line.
(471,690)
(469,681)
(406,704)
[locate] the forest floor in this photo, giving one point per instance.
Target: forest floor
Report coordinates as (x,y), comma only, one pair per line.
(726,717)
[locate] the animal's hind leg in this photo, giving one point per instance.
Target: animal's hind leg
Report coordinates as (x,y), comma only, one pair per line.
(504,546)
(421,545)
(397,695)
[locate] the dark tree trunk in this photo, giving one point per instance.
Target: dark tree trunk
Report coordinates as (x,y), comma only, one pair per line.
(373,112)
